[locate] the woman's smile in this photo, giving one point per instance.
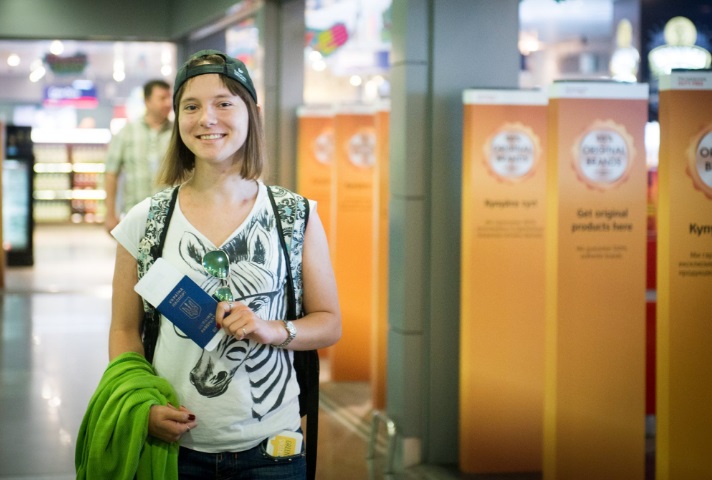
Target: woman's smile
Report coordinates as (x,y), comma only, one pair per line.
(213,122)
(211,136)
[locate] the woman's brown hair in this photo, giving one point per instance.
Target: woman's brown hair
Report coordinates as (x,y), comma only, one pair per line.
(178,163)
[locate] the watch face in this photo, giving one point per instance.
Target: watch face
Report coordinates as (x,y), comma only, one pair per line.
(291,329)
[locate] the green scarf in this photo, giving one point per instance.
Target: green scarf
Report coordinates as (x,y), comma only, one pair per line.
(113,441)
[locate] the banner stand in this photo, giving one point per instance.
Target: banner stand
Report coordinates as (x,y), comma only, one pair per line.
(502,281)
(594,410)
(353,245)
(684,283)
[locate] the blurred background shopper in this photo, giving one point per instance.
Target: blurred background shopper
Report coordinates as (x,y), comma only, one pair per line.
(136,152)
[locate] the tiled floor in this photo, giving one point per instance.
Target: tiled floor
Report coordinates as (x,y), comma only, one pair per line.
(53,351)
(55,319)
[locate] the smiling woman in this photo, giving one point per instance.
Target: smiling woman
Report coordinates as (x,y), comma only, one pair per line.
(202,92)
(225,234)
(213,123)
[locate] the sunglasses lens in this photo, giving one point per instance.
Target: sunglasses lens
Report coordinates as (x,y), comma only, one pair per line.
(217,264)
(224,294)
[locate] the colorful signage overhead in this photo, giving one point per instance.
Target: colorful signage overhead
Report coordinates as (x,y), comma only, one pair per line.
(72,64)
(329,40)
(78,95)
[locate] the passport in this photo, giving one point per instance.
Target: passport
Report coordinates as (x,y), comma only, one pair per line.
(178,298)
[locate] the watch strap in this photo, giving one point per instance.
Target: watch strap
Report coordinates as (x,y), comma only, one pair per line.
(291,333)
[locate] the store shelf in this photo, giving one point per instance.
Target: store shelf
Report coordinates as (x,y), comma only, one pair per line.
(69,195)
(67,167)
(64,167)
(88,168)
(69,177)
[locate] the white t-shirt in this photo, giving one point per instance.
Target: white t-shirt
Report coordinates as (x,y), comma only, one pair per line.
(243,391)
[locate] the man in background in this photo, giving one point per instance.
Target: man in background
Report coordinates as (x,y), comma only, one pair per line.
(136,152)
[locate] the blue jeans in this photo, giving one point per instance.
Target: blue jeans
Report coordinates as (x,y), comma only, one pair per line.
(253,464)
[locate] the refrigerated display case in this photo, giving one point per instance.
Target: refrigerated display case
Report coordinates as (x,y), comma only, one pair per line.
(17,204)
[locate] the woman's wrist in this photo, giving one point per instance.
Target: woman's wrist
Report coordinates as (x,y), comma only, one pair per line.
(287,333)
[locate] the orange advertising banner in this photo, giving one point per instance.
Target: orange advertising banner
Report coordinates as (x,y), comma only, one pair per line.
(594,406)
(684,283)
(381,193)
(315,158)
(502,281)
(353,245)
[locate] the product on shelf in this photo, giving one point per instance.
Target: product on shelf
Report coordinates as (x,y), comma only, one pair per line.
(69,182)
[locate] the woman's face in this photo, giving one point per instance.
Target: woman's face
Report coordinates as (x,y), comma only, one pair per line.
(212,121)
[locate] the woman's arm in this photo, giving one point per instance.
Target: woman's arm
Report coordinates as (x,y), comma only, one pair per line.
(167,423)
(126,307)
(321,327)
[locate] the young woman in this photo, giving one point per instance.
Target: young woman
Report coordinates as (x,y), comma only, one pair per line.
(237,398)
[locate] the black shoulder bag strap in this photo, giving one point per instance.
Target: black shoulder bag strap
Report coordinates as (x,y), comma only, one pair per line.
(306,363)
(156,231)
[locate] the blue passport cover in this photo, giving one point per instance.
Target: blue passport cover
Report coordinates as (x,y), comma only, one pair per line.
(192,310)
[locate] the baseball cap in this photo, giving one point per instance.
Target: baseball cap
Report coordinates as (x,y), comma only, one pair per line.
(233,68)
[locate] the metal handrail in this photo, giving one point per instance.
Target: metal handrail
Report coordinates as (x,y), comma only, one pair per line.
(376,419)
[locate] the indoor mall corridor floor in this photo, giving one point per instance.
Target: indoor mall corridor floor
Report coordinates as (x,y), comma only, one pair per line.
(53,350)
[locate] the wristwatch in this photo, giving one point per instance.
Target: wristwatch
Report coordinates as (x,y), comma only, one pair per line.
(291,333)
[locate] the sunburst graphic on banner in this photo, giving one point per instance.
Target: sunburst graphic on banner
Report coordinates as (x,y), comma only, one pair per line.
(323,147)
(362,148)
(699,165)
(603,155)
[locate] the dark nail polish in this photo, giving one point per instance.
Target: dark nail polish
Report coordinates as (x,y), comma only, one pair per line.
(191,417)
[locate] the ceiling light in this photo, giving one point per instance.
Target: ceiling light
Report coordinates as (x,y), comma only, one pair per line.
(37,74)
(13,59)
(56,47)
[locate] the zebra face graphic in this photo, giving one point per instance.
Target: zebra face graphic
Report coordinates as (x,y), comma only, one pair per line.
(208,378)
(257,278)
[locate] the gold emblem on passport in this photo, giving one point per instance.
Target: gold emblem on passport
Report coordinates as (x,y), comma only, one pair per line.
(603,155)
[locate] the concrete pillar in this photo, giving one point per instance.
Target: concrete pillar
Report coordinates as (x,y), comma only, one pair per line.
(282,34)
(439,49)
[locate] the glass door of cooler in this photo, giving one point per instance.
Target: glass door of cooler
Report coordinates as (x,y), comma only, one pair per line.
(17,210)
